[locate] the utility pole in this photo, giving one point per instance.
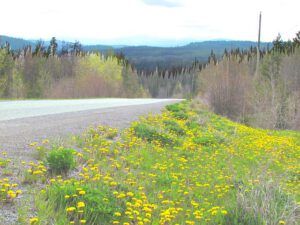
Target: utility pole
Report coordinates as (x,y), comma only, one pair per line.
(258,46)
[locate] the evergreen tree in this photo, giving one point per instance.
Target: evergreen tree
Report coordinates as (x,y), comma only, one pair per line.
(52,49)
(278,44)
(76,48)
(297,39)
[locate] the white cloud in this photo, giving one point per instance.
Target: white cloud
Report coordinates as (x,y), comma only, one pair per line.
(116,20)
(163,3)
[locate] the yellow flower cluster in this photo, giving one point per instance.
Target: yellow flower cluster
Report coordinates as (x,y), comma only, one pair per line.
(4,161)
(35,172)
(8,191)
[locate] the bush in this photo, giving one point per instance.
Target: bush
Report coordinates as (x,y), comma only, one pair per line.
(181,115)
(151,134)
(60,160)
(178,110)
(174,126)
(175,107)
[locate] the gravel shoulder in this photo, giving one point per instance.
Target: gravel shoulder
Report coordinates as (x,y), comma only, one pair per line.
(17,134)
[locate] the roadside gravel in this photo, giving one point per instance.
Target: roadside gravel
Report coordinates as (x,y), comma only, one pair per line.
(17,134)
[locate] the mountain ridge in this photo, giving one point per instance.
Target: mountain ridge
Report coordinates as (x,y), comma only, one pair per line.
(146,57)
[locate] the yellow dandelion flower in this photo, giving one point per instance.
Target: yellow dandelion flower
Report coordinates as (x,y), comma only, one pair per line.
(33,220)
(80,205)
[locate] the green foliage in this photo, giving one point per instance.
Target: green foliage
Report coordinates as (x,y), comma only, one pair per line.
(181,115)
(178,110)
(4,162)
(174,126)
(60,160)
(175,107)
(150,134)
(99,202)
(41,152)
(265,203)
(104,131)
(75,75)
(6,67)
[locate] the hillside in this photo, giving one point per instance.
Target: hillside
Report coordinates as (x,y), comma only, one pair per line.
(15,43)
(185,166)
(148,58)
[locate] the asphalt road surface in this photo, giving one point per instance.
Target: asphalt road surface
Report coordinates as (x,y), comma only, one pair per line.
(24,122)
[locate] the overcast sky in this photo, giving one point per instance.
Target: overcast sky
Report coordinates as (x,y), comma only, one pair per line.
(148,21)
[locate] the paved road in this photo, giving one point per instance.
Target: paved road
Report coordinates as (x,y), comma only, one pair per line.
(19,128)
(30,108)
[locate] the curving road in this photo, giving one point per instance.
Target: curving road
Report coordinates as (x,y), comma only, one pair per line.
(23,122)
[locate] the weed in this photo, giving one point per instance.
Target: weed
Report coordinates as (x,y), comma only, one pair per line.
(60,160)
(264,203)
(174,126)
(151,134)
(93,204)
(4,162)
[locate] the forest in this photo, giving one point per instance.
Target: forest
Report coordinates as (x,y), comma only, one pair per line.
(43,72)
(262,93)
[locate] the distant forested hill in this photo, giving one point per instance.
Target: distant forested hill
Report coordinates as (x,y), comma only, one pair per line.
(15,43)
(148,58)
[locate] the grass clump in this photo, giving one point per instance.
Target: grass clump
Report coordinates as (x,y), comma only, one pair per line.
(60,160)
(35,173)
(151,134)
(174,127)
(264,203)
(4,162)
(75,203)
(178,110)
(177,107)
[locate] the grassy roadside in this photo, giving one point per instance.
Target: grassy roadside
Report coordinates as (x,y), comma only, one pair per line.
(185,166)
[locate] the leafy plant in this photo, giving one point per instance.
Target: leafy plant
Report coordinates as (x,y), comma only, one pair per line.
(98,202)
(174,126)
(175,107)
(4,162)
(151,134)
(60,160)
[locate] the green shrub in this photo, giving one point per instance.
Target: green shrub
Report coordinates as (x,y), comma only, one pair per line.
(178,110)
(182,106)
(174,126)
(60,160)
(208,140)
(204,140)
(175,107)
(181,115)
(192,125)
(151,134)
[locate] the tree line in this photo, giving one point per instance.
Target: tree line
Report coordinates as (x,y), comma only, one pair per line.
(270,99)
(69,72)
